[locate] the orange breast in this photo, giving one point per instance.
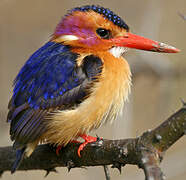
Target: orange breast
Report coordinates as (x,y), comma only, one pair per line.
(104,104)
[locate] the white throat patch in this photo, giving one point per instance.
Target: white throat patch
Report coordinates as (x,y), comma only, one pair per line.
(118,51)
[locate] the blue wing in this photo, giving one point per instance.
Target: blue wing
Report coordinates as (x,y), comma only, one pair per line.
(49,80)
(45,75)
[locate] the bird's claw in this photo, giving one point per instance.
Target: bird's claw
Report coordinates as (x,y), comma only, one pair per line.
(88,139)
(58,149)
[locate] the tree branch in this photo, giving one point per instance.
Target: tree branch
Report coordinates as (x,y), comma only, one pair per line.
(146,151)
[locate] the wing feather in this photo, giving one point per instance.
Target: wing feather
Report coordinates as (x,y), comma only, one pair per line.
(48,81)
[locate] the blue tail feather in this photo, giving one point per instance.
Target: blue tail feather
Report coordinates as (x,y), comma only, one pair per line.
(19,157)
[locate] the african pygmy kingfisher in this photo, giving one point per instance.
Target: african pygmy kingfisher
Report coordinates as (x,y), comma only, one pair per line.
(75,82)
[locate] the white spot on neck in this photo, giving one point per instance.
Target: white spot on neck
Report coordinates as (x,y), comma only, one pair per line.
(118,51)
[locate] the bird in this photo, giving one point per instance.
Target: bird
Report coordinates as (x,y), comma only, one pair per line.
(76,82)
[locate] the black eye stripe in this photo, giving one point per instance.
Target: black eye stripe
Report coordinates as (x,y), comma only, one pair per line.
(103,33)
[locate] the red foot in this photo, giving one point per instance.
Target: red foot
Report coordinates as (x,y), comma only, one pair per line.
(59,147)
(88,139)
(75,141)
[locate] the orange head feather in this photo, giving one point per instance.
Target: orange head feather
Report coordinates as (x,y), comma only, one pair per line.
(99,29)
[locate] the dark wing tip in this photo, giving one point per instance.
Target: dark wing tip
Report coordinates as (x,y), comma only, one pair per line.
(19,157)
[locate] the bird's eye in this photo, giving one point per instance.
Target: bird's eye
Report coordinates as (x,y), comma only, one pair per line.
(103,33)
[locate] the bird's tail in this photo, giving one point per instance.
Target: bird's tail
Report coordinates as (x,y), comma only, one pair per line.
(20,153)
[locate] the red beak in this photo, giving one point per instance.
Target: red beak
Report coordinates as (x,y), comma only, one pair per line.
(138,42)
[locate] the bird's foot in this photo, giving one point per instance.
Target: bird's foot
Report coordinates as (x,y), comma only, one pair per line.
(58,148)
(88,139)
(75,141)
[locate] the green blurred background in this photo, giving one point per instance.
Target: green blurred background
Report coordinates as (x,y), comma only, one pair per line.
(158,79)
